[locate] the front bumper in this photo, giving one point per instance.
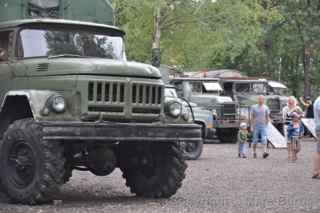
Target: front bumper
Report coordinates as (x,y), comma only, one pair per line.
(276,118)
(227,124)
(118,132)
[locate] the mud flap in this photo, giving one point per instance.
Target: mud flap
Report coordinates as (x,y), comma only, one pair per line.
(310,125)
(275,137)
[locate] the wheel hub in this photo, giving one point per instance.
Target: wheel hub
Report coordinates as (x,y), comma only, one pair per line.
(191,147)
(21,163)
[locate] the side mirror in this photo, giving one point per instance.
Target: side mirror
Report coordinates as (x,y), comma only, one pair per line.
(3,54)
(187,90)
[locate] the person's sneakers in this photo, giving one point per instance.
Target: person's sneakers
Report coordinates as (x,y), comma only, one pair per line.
(254,155)
(244,156)
(239,155)
(265,155)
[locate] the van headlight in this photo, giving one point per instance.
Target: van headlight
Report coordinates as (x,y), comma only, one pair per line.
(57,103)
(175,109)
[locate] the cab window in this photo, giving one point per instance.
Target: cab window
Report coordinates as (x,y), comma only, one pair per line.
(242,87)
(5,43)
(196,87)
(259,88)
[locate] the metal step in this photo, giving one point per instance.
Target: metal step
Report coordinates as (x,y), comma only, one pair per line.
(310,125)
(275,137)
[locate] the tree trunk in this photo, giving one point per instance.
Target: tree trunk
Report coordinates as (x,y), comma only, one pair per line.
(307,70)
(156,54)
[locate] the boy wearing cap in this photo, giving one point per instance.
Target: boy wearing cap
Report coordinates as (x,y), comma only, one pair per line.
(242,140)
(295,131)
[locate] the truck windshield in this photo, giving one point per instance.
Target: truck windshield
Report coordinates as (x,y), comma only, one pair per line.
(278,91)
(254,88)
(242,87)
(259,88)
(204,87)
(45,43)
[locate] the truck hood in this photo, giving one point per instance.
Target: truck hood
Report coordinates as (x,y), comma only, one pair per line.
(88,66)
(249,100)
(210,100)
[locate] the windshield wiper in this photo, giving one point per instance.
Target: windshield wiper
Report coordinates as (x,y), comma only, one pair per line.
(66,56)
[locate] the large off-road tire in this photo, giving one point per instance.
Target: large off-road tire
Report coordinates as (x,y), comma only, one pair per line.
(152,170)
(32,169)
(227,135)
(192,150)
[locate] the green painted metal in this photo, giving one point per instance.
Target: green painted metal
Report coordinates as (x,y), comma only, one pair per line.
(51,21)
(99,11)
(12,9)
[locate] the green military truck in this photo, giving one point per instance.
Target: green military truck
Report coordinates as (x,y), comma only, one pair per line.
(206,93)
(71,101)
(246,90)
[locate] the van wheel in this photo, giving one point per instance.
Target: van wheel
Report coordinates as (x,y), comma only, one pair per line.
(192,150)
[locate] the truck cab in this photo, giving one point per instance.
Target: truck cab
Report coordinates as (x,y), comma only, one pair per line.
(246,91)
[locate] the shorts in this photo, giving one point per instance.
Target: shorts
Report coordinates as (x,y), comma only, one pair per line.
(260,133)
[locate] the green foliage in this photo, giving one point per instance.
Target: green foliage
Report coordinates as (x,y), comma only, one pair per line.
(258,37)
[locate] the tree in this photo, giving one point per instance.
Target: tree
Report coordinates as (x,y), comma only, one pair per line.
(304,17)
(265,38)
(152,22)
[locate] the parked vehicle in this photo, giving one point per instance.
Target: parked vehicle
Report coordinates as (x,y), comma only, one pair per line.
(206,93)
(246,91)
(71,101)
(192,150)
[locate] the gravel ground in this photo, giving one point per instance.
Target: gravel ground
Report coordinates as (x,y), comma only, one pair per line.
(218,182)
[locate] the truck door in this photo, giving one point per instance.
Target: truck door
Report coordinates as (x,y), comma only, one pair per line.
(5,70)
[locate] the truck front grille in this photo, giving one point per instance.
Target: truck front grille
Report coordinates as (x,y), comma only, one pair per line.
(274,105)
(125,99)
(146,98)
(106,92)
(229,111)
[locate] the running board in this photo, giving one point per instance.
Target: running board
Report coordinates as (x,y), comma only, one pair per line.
(310,125)
(275,137)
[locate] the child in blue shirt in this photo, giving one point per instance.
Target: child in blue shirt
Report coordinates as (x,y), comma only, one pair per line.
(295,131)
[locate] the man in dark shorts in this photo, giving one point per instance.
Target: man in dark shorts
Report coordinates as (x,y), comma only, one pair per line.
(259,124)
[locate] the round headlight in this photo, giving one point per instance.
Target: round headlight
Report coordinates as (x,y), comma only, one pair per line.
(175,109)
(58,103)
(185,114)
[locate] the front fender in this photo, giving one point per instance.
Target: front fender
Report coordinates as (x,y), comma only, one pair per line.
(203,116)
(37,101)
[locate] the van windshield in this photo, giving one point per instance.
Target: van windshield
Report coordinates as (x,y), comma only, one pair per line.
(46,43)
